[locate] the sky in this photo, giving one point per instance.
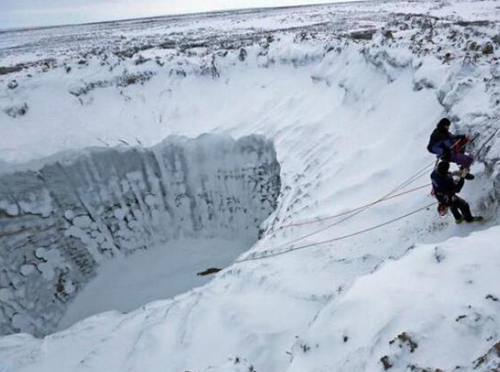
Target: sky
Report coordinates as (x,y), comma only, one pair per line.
(28,13)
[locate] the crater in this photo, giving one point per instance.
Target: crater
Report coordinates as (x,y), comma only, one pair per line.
(116,228)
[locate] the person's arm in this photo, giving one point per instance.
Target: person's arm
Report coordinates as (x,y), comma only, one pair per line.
(457,137)
(455,142)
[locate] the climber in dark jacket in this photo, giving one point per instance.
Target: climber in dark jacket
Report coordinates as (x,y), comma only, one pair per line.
(445,189)
(450,147)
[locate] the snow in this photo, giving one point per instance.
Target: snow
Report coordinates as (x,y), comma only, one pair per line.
(444,297)
(346,116)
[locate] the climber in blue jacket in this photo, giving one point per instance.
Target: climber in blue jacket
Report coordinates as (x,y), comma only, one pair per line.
(450,147)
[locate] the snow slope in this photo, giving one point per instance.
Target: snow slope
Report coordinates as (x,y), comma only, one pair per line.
(348,94)
(437,307)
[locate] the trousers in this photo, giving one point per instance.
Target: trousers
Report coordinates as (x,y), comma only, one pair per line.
(458,206)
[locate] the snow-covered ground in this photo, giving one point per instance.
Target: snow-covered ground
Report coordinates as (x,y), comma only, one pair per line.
(348,94)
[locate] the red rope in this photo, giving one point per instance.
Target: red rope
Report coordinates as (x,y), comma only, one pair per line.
(293,249)
(352,210)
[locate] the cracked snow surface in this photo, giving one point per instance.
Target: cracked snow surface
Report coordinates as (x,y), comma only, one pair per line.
(343,97)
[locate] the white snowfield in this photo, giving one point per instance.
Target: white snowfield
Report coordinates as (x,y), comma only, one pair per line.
(348,94)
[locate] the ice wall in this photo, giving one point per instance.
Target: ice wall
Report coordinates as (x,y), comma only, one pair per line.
(60,221)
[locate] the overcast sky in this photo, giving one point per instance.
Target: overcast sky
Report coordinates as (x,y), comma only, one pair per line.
(26,13)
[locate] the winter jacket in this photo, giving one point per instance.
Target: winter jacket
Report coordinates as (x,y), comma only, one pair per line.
(445,184)
(442,141)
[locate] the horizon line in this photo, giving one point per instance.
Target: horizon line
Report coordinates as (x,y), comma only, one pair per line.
(187,14)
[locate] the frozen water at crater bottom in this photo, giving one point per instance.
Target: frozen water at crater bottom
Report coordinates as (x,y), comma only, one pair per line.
(157,273)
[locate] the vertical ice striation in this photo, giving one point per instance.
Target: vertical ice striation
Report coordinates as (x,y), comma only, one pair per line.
(58,222)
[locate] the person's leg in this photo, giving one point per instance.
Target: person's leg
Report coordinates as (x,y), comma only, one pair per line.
(455,210)
(463,160)
(463,207)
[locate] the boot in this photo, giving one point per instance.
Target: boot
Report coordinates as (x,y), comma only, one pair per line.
(476,219)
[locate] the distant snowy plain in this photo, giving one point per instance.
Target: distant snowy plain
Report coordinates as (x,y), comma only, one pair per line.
(348,95)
